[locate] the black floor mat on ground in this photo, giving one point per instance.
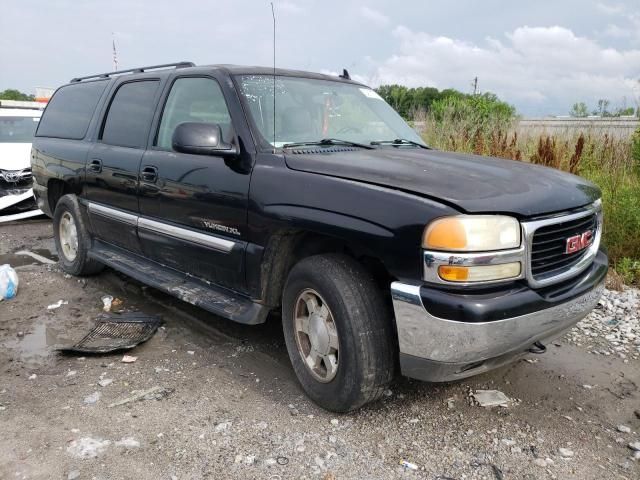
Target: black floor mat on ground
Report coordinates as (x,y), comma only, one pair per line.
(117,331)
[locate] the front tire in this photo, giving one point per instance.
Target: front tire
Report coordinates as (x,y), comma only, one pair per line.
(72,238)
(338,332)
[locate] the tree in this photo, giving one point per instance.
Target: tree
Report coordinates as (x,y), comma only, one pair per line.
(13,94)
(579,110)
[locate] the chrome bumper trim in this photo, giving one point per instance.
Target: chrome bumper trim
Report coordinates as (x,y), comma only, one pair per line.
(423,335)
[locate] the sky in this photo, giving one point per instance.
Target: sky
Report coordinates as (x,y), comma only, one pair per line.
(541,56)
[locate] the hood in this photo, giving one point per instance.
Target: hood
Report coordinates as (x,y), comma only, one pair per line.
(15,156)
(471,183)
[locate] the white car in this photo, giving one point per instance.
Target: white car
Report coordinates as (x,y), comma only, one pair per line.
(18,123)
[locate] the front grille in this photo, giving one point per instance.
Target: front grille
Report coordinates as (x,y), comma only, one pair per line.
(548,257)
(15,178)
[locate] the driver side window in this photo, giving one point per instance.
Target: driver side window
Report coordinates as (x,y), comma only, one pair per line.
(193,99)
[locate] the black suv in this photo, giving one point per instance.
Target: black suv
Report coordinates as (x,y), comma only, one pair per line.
(245,190)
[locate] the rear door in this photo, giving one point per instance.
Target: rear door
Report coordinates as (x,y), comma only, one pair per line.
(113,163)
(193,208)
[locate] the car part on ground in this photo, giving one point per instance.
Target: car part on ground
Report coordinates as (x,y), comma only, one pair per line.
(117,331)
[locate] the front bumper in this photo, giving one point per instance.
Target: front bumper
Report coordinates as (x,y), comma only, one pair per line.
(478,336)
(16,204)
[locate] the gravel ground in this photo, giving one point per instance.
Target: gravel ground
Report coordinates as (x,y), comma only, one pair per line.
(219,400)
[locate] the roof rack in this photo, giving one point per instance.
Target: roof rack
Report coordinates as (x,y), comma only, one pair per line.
(136,70)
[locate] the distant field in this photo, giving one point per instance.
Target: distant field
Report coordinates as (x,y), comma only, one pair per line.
(616,127)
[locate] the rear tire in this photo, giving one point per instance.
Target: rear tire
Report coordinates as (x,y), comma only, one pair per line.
(334,296)
(72,238)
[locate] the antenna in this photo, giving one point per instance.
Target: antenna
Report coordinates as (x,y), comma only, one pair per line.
(273,14)
(115,54)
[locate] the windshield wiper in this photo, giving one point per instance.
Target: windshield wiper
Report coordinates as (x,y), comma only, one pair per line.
(327,141)
(400,141)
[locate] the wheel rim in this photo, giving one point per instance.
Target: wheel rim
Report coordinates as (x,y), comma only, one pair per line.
(316,335)
(68,236)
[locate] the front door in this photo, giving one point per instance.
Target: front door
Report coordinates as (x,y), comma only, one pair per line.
(193,208)
(113,163)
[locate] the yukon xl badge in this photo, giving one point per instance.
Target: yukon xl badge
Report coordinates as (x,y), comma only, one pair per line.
(220,228)
(579,242)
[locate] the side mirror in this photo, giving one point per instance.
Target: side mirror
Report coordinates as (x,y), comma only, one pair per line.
(201,139)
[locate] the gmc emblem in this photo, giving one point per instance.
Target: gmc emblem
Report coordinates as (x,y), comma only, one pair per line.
(579,242)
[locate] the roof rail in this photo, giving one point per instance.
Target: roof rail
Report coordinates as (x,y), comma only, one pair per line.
(135,70)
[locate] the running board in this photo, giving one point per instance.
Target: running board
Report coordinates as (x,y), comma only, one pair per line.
(212,298)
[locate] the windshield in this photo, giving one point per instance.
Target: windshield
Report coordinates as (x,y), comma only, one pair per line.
(17,129)
(309,110)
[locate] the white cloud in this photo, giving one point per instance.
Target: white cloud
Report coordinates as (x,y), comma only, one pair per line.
(608,9)
(374,16)
(533,67)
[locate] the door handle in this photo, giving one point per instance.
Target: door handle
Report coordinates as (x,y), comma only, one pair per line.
(95,165)
(149,173)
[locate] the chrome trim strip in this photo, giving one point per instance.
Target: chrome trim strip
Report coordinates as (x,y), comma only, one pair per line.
(529,229)
(210,241)
(113,213)
(432,259)
(206,240)
(424,335)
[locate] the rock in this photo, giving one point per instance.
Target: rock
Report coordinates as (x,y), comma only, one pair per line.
(73,475)
(335,422)
(508,442)
(624,429)
(87,447)
(541,462)
(270,462)
(249,459)
(634,446)
(222,427)
(33,376)
(93,398)
(565,452)
(128,443)
(71,373)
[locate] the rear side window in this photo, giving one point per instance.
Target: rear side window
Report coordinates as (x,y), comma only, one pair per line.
(69,111)
(129,117)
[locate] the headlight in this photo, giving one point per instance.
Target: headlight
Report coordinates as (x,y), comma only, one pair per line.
(472,233)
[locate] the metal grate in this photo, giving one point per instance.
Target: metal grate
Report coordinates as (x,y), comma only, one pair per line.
(549,244)
(117,332)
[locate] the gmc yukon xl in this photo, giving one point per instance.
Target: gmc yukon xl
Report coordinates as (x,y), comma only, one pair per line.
(248,190)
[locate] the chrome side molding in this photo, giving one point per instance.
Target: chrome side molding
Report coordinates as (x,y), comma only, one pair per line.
(207,240)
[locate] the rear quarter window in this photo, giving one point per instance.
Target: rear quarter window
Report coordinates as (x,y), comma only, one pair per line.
(70,110)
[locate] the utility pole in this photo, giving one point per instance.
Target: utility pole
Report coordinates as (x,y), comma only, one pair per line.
(475,86)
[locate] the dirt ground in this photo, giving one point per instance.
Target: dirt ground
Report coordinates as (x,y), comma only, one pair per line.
(228,404)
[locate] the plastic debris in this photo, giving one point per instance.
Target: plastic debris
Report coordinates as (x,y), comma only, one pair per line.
(58,304)
(155,393)
(93,398)
(8,282)
(107,300)
(490,398)
(128,359)
(408,465)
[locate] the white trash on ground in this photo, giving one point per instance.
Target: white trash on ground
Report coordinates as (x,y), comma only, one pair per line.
(490,398)
(8,282)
